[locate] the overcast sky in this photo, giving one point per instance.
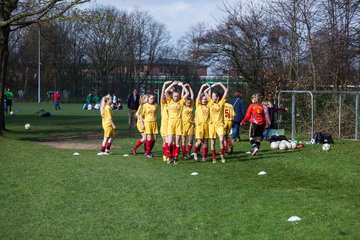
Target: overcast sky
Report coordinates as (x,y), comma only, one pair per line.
(177,15)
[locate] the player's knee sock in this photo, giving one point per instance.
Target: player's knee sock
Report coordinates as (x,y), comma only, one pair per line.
(204,152)
(253,144)
(171,149)
(138,144)
(164,149)
(222,151)
(229,142)
(189,147)
(213,154)
(176,152)
(103,148)
(226,148)
(196,149)
(258,145)
(152,143)
(167,150)
(148,146)
(108,145)
(183,149)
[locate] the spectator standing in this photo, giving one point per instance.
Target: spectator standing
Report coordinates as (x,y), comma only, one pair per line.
(240,111)
(57,100)
(133,105)
(9,100)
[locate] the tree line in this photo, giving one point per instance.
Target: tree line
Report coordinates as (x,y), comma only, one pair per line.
(275,45)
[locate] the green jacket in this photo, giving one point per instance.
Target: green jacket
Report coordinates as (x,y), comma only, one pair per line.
(9,95)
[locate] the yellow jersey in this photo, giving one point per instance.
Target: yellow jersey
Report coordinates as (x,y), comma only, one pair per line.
(164,110)
(229,112)
(107,116)
(216,111)
(188,113)
(149,111)
(202,113)
(175,108)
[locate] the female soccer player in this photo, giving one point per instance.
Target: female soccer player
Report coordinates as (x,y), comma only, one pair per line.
(175,105)
(256,115)
(107,124)
(164,116)
(216,126)
(229,115)
(143,100)
(149,123)
(202,116)
(188,123)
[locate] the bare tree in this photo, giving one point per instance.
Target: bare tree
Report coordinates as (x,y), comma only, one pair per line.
(14,15)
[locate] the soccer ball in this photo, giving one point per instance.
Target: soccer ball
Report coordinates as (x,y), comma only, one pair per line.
(293,145)
(274,145)
(283,145)
(326,147)
(288,144)
(11,113)
(27,126)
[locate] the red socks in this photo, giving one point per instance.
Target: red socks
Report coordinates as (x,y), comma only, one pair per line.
(196,149)
(176,152)
(204,152)
(189,147)
(138,144)
(103,148)
(183,149)
(221,151)
(213,154)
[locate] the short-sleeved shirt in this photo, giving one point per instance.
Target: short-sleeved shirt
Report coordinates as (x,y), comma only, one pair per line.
(107,116)
(188,113)
(229,112)
(164,110)
(175,108)
(216,111)
(202,113)
(149,111)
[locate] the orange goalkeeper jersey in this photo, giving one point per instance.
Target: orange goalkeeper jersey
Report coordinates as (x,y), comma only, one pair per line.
(255,114)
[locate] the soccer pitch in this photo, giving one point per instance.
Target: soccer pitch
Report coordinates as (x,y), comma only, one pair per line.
(48,193)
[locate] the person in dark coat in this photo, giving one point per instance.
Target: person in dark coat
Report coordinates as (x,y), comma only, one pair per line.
(133,105)
(240,111)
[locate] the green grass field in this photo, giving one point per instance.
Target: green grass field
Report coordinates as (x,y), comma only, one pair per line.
(47,193)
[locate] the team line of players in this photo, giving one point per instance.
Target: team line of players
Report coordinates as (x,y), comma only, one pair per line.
(212,118)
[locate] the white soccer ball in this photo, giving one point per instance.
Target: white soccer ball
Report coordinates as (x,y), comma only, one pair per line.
(293,145)
(11,113)
(274,145)
(27,126)
(326,147)
(288,144)
(283,145)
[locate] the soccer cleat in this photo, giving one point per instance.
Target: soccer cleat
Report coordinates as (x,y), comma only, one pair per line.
(195,156)
(149,155)
(133,150)
(102,153)
(108,151)
(222,159)
(255,151)
(186,156)
(175,161)
(168,161)
(214,160)
(203,159)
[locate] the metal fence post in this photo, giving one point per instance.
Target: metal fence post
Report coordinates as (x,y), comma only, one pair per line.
(293,112)
(356,117)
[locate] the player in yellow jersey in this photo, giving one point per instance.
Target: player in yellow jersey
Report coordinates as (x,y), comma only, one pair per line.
(216,126)
(107,124)
(202,117)
(188,123)
(164,116)
(141,129)
(175,104)
(229,115)
(149,122)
